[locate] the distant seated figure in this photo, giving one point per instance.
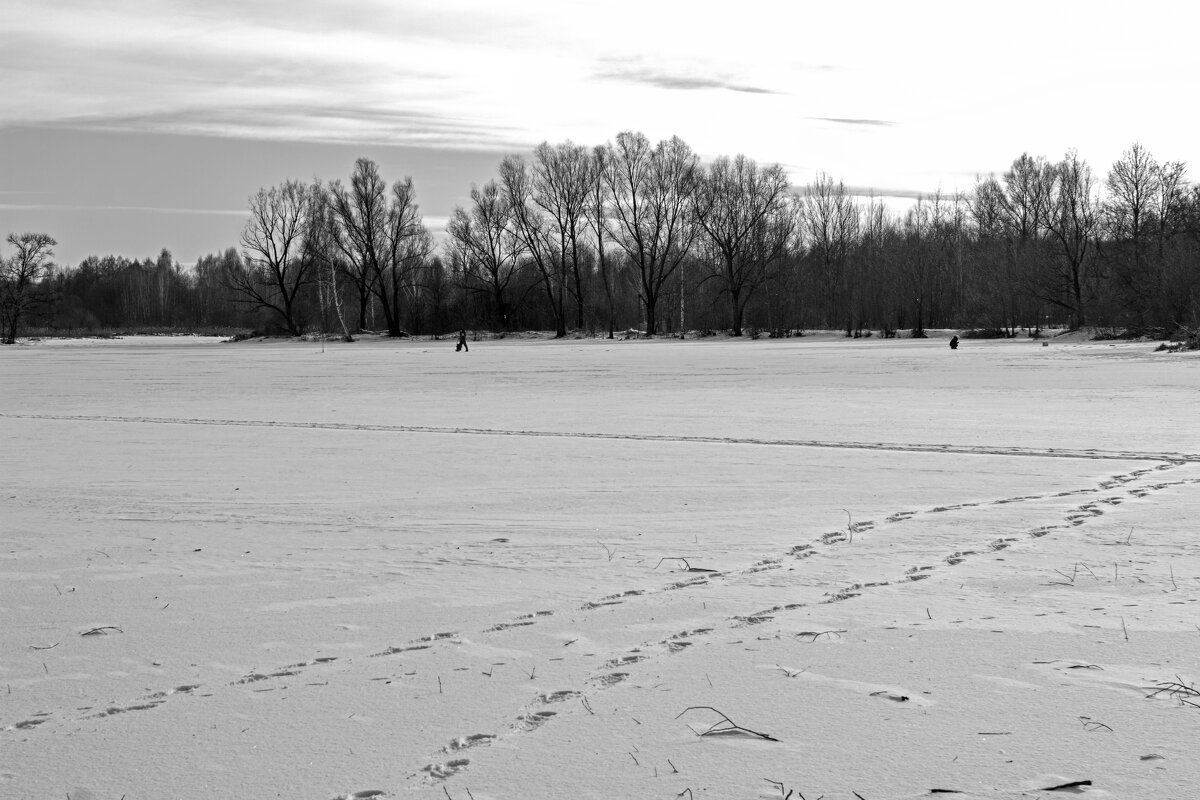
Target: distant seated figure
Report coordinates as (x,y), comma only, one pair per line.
(462,342)
(954,343)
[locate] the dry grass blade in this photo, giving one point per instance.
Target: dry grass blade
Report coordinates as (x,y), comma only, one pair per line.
(102,630)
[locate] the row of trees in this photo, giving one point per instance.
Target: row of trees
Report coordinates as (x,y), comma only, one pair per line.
(640,234)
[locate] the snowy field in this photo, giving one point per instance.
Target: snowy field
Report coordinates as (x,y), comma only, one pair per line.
(385,569)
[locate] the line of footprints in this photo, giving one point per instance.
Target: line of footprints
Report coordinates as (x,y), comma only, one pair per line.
(614,670)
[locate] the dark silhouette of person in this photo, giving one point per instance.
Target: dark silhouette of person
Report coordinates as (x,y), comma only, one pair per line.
(462,342)
(954,343)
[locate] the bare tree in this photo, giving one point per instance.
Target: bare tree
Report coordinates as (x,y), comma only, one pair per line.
(993,293)
(562,177)
(916,262)
(488,247)
(746,212)
(321,243)
(652,207)
(831,226)
(1073,221)
(278,264)
(537,233)
(380,237)
(20,274)
(597,211)
(1135,187)
(1026,197)
(1169,202)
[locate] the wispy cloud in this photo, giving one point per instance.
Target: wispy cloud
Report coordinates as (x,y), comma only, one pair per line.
(330,122)
(677,81)
(881,123)
(885,192)
(207,212)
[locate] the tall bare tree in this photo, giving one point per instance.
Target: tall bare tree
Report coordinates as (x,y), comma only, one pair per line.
(1073,222)
(537,233)
(831,226)
(20,274)
(562,177)
(278,263)
(652,207)
(488,247)
(1026,197)
(322,232)
(746,213)
(1134,186)
(598,211)
(381,238)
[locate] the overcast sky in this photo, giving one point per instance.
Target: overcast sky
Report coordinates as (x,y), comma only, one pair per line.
(134,125)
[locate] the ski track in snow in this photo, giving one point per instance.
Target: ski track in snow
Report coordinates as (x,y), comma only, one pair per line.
(1030,452)
(615,667)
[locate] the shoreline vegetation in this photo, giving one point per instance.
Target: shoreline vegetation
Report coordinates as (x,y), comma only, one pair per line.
(638,234)
(1182,339)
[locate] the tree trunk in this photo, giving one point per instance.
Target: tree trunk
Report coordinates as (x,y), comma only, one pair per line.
(735,309)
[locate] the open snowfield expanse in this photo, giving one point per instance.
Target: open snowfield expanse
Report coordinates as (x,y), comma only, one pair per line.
(384,569)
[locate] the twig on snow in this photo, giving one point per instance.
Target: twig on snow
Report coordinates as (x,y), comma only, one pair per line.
(1092,725)
(1069,785)
(687,567)
(849,527)
(1179,690)
(724,726)
(779,785)
(102,630)
(818,634)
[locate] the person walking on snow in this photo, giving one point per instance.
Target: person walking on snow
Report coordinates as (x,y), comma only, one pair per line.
(462,341)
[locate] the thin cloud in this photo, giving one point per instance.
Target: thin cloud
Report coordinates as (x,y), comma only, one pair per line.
(884,123)
(674,81)
(219,212)
(883,191)
(330,123)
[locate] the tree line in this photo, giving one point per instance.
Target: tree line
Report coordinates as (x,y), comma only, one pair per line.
(642,235)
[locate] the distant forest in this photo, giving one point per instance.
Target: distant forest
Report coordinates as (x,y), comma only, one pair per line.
(637,235)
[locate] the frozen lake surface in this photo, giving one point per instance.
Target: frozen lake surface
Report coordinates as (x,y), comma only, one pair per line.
(276,569)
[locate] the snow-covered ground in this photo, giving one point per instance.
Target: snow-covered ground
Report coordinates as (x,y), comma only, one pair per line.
(279,569)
